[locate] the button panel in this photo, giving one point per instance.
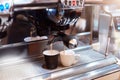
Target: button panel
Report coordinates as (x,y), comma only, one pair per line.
(5,7)
(73,3)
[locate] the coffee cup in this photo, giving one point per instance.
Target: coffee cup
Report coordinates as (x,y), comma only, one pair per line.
(51,58)
(67,57)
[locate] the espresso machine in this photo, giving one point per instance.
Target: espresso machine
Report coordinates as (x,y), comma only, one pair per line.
(45,18)
(42,21)
(31,24)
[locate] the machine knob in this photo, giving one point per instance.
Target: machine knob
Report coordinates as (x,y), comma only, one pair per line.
(1,7)
(7,6)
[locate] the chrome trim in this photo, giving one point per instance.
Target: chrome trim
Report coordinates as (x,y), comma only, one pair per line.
(20,44)
(28,8)
(82,48)
(96,73)
(83,33)
(21,2)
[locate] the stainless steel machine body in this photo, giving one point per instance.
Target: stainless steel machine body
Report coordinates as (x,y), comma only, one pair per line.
(16,61)
(109,30)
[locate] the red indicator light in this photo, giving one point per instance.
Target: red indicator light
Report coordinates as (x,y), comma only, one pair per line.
(74,2)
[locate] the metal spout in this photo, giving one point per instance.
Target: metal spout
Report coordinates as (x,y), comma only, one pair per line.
(68,40)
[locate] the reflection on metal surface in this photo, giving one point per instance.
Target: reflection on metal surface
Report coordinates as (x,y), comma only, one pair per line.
(16,2)
(81,48)
(9,59)
(90,62)
(23,2)
(84,33)
(20,44)
(18,72)
(96,73)
(81,69)
(29,8)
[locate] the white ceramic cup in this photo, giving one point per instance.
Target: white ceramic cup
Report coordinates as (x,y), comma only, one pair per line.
(67,57)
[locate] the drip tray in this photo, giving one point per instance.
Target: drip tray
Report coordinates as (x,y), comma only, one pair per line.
(29,69)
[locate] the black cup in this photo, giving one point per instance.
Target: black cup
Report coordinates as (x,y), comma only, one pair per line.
(3,34)
(51,59)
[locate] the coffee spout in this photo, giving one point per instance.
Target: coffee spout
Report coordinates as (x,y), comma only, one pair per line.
(73,43)
(70,41)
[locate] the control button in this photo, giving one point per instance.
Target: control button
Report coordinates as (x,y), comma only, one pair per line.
(74,2)
(7,6)
(70,3)
(1,7)
(81,2)
(65,2)
(77,3)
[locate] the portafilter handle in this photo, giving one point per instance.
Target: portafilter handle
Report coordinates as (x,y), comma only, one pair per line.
(69,41)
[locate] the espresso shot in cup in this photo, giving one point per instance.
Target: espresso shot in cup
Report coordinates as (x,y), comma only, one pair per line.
(51,58)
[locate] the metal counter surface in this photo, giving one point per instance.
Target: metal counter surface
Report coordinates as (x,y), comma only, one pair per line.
(33,69)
